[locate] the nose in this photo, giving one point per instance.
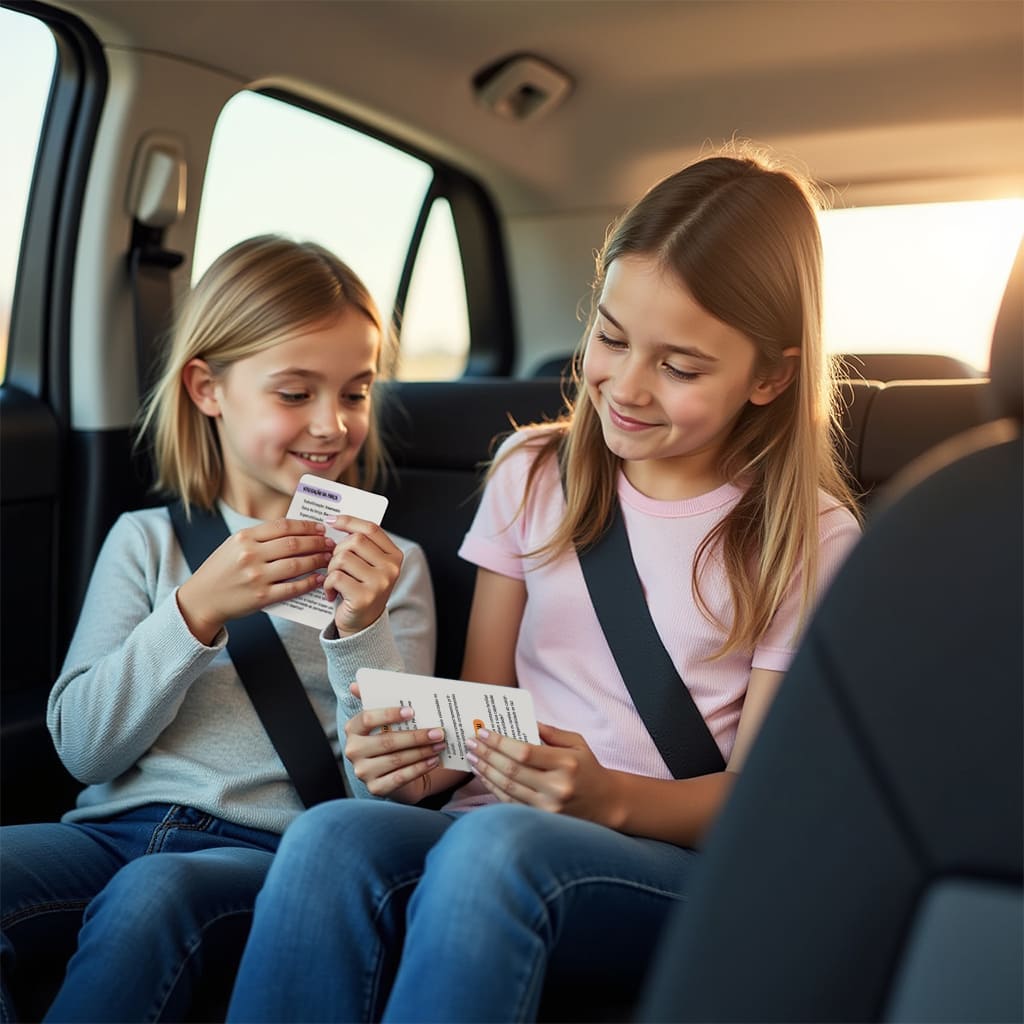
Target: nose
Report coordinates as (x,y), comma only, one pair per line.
(328,420)
(628,384)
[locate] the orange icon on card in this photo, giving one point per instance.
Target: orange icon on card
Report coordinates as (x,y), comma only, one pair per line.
(478,724)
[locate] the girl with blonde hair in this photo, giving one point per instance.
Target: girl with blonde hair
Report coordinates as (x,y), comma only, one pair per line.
(703,415)
(270,375)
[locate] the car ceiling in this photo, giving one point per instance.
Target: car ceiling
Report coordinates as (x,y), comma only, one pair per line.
(864,93)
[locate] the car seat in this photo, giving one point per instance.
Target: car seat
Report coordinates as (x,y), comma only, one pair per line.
(868,864)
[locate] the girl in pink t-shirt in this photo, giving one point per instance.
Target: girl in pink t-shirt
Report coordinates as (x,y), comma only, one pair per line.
(702,411)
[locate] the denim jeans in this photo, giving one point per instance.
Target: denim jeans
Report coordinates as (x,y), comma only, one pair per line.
(140,902)
(485,902)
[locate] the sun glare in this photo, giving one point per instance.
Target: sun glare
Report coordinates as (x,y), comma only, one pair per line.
(923,278)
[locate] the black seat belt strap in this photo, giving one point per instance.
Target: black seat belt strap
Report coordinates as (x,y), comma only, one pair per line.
(149,272)
(268,675)
(660,695)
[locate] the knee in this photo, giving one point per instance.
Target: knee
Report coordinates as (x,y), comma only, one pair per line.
(494,842)
(322,831)
(314,842)
(323,823)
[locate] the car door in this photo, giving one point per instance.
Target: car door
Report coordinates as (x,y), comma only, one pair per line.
(63,92)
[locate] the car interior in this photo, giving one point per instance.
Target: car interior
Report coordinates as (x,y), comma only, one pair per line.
(467,157)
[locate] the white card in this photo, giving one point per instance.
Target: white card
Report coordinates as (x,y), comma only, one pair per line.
(458,707)
(315,499)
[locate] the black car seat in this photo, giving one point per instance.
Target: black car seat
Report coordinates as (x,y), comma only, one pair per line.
(868,864)
(888,366)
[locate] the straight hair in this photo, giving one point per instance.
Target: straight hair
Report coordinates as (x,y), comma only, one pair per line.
(743,238)
(255,295)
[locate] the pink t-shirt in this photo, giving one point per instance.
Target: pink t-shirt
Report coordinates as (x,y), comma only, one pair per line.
(562,657)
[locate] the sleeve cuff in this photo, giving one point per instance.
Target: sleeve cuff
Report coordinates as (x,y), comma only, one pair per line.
(373,647)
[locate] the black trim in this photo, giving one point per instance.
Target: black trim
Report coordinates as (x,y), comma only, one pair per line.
(492,331)
(412,254)
(39,353)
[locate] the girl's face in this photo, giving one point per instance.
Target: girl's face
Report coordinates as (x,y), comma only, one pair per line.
(301,406)
(668,380)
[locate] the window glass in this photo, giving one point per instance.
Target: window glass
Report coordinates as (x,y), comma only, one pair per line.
(275,167)
(435,326)
(923,278)
(28,56)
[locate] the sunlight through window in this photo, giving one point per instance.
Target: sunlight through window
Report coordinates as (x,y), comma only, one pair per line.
(924,278)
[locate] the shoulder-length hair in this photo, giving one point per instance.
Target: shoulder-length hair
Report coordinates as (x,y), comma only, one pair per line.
(743,238)
(252,297)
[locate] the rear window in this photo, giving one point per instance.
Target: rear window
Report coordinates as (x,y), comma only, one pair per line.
(926,278)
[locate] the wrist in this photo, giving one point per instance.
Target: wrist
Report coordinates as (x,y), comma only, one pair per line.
(202,626)
(350,625)
(617,800)
(412,792)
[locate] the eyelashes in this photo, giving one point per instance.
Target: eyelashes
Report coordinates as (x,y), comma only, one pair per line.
(612,343)
(298,397)
(619,345)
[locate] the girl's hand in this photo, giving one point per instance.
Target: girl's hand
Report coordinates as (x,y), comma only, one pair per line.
(390,760)
(562,776)
(253,568)
(363,571)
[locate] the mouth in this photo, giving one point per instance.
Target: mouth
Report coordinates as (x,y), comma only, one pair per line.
(626,422)
(315,458)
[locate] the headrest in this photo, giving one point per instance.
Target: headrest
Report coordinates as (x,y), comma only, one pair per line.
(1007,360)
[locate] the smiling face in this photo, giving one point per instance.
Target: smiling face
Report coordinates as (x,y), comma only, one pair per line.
(668,380)
(300,406)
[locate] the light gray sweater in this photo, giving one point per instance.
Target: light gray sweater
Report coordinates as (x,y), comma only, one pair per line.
(145,713)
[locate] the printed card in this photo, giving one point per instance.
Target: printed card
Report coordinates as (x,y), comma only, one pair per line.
(315,499)
(458,707)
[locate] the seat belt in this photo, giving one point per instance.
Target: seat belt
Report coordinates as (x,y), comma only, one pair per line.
(156,200)
(268,675)
(149,273)
(659,693)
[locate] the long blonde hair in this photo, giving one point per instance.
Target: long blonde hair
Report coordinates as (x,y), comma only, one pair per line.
(253,296)
(743,239)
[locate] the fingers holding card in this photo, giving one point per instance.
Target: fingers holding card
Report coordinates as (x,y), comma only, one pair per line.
(317,500)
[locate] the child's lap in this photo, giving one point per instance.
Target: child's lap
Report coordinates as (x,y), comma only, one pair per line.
(551,850)
(62,866)
(556,853)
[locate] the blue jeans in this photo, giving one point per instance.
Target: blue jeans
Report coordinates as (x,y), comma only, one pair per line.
(141,903)
(485,903)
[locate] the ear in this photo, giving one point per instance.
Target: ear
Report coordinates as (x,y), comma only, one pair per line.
(201,385)
(767,389)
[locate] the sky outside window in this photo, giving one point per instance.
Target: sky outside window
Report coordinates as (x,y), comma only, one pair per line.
(27,58)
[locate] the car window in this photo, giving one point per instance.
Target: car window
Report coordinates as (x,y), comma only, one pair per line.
(919,278)
(27,59)
(435,324)
(278,167)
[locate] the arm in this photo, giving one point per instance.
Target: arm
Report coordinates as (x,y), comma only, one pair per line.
(494,620)
(403,638)
(140,643)
(563,776)
(402,765)
(129,665)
